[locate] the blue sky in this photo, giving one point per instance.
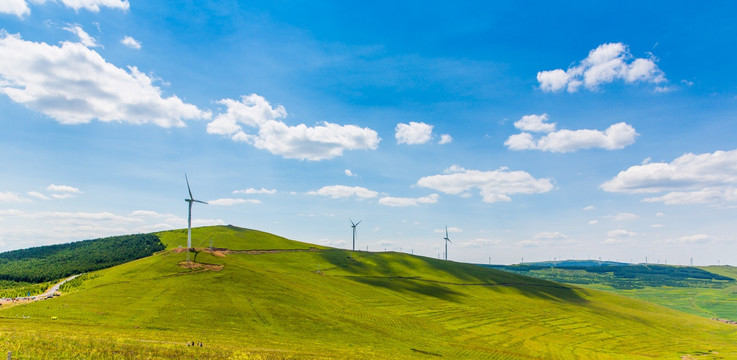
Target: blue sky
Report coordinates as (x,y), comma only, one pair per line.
(533,131)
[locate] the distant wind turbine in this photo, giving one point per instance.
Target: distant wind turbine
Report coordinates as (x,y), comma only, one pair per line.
(189,218)
(447,240)
(353,225)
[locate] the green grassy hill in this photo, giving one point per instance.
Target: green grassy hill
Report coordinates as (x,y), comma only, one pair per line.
(267,297)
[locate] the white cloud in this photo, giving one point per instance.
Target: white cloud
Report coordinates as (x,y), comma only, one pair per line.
(74,84)
(619,236)
(657,226)
(479,242)
(251,191)
(402,201)
(301,142)
(11,197)
(493,186)
(659,214)
(589,208)
(94,5)
(451,229)
(689,179)
(550,236)
(40,228)
(593,222)
(131,43)
(348,172)
(621,233)
(616,136)
(535,123)
(445,139)
(693,239)
(231,202)
(342,191)
(413,133)
(63,191)
(84,37)
(622,217)
(18,8)
(38,195)
(703,196)
(605,64)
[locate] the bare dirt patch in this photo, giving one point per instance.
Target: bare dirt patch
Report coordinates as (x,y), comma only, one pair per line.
(199,266)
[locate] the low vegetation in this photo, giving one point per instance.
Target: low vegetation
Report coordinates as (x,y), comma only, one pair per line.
(704,291)
(276,299)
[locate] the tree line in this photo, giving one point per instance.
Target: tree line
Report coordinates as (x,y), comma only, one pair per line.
(52,262)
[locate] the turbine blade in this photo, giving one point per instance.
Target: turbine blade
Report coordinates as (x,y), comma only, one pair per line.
(446,231)
(352,224)
(188,189)
(201,202)
(359,221)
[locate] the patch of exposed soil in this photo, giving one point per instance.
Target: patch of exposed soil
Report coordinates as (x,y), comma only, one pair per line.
(199,266)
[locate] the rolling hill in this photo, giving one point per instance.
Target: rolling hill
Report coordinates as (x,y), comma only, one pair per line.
(257,295)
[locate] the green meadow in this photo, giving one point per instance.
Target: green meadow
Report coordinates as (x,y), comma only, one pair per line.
(267,297)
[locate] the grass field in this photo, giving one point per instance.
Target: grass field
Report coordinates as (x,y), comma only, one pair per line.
(312,302)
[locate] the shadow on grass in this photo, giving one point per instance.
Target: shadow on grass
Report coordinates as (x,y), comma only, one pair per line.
(439,278)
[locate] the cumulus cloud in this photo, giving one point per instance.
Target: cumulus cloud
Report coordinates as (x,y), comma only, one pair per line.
(18,8)
(618,236)
(451,229)
(546,238)
(131,43)
(11,197)
(622,217)
(535,123)
(479,242)
(402,201)
(63,191)
(38,195)
(348,172)
(83,36)
(45,227)
(73,85)
(342,191)
(616,136)
(231,202)
(493,186)
(301,142)
(589,208)
(693,239)
(605,64)
(689,179)
(413,133)
(94,5)
(445,139)
(251,191)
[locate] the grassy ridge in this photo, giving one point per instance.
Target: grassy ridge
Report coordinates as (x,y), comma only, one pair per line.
(329,303)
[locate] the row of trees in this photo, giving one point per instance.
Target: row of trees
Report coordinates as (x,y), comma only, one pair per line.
(52,262)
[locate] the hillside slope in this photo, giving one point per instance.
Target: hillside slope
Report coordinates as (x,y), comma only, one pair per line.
(269,297)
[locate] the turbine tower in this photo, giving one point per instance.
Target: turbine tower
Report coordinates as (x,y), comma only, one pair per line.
(353,225)
(447,240)
(189,218)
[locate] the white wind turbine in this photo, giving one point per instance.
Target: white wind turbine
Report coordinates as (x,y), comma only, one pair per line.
(189,218)
(447,240)
(353,225)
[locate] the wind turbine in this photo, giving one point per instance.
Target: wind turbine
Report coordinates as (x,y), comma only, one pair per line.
(189,218)
(353,225)
(447,240)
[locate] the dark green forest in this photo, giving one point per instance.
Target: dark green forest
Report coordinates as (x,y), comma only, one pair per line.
(622,276)
(52,262)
